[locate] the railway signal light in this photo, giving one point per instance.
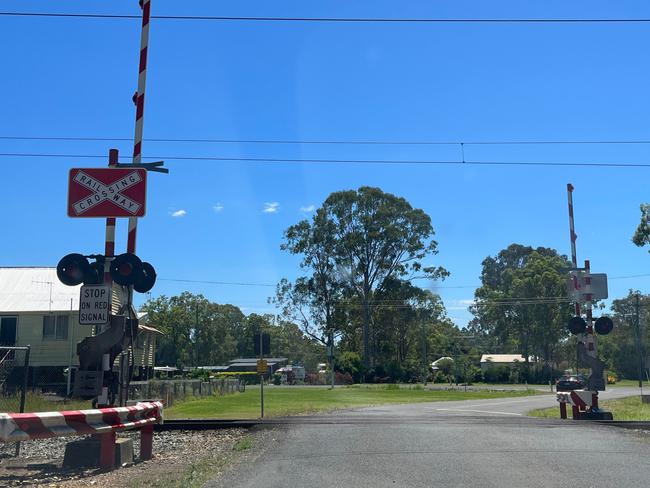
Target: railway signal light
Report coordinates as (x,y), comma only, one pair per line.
(74,269)
(126,269)
(577,325)
(603,325)
(146,279)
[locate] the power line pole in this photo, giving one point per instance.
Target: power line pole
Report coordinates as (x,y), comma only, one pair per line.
(196,331)
(424,353)
(639,346)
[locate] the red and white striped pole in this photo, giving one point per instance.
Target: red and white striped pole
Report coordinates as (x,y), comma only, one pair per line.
(590,338)
(138,99)
(109,252)
(109,247)
(572,233)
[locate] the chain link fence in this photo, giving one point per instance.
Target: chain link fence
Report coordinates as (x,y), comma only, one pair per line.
(14,369)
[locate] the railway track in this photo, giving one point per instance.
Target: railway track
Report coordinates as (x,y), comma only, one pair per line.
(215,424)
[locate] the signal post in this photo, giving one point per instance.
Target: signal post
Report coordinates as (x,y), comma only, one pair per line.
(585,287)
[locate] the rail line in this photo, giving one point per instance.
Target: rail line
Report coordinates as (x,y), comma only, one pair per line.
(216,424)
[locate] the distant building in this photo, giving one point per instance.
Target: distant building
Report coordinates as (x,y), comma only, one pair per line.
(250,364)
(36,309)
(488,360)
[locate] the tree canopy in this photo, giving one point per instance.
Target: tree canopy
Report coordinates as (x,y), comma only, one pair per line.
(522,303)
(356,244)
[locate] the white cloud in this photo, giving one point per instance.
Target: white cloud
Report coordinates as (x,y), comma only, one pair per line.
(308,208)
(217,208)
(178,213)
(271,207)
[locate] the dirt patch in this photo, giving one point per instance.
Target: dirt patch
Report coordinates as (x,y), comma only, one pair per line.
(180,459)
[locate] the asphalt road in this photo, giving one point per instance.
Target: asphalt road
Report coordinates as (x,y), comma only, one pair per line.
(484,443)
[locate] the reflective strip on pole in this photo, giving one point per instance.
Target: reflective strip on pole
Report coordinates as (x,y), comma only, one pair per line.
(590,338)
(139,110)
(573,236)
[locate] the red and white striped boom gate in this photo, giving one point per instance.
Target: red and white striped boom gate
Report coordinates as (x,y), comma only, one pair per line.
(580,400)
(101,422)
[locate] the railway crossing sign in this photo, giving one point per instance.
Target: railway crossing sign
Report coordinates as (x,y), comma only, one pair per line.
(107,192)
(576,286)
(94,305)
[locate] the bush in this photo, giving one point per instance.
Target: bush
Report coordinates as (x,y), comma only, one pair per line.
(314,379)
(496,374)
(277,378)
(349,362)
(202,374)
(343,378)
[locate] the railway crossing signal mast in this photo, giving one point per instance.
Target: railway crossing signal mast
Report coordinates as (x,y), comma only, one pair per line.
(110,280)
(586,287)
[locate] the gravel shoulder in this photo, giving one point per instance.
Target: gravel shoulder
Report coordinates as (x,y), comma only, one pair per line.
(181,459)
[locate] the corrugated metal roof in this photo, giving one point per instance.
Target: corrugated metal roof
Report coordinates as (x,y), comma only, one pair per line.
(502,358)
(148,328)
(253,361)
(27,289)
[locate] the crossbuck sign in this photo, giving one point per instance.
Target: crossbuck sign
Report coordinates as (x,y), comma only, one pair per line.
(107,192)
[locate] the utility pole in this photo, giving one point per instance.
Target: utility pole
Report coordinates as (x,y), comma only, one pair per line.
(261,376)
(196,331)
(424,353)
(330,353)
(639,346)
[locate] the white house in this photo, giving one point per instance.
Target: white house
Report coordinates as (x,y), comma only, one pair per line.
(36,309)
(509,360)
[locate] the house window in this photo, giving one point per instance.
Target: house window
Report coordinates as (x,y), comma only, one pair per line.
(8,331)
(55,327)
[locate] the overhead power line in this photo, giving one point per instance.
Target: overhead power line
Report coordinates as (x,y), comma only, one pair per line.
(343,160)
(351,20)
(326,141)
(233,283)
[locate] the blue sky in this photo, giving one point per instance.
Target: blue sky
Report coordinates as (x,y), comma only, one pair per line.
(382,82)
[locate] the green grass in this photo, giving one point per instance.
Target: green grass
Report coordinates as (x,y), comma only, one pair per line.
(281,401)
(39,403)
(243,444)
(196,475)
(628,383)
(628,408)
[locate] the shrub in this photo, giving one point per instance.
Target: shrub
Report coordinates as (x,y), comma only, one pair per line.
(343,378)
(496,374)
(314,379)
(349,362)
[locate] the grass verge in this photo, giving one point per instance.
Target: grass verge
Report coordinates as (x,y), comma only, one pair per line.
(283,401)
(195,475)
(628,408)
(243,444)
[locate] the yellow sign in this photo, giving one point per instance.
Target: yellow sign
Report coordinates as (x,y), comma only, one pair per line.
(262,366)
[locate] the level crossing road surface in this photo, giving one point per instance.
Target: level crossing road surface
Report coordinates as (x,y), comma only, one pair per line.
(471,443)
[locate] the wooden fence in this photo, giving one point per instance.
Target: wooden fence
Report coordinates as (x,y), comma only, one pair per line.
(171,391)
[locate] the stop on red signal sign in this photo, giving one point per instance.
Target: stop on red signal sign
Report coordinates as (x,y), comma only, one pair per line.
(107,192)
